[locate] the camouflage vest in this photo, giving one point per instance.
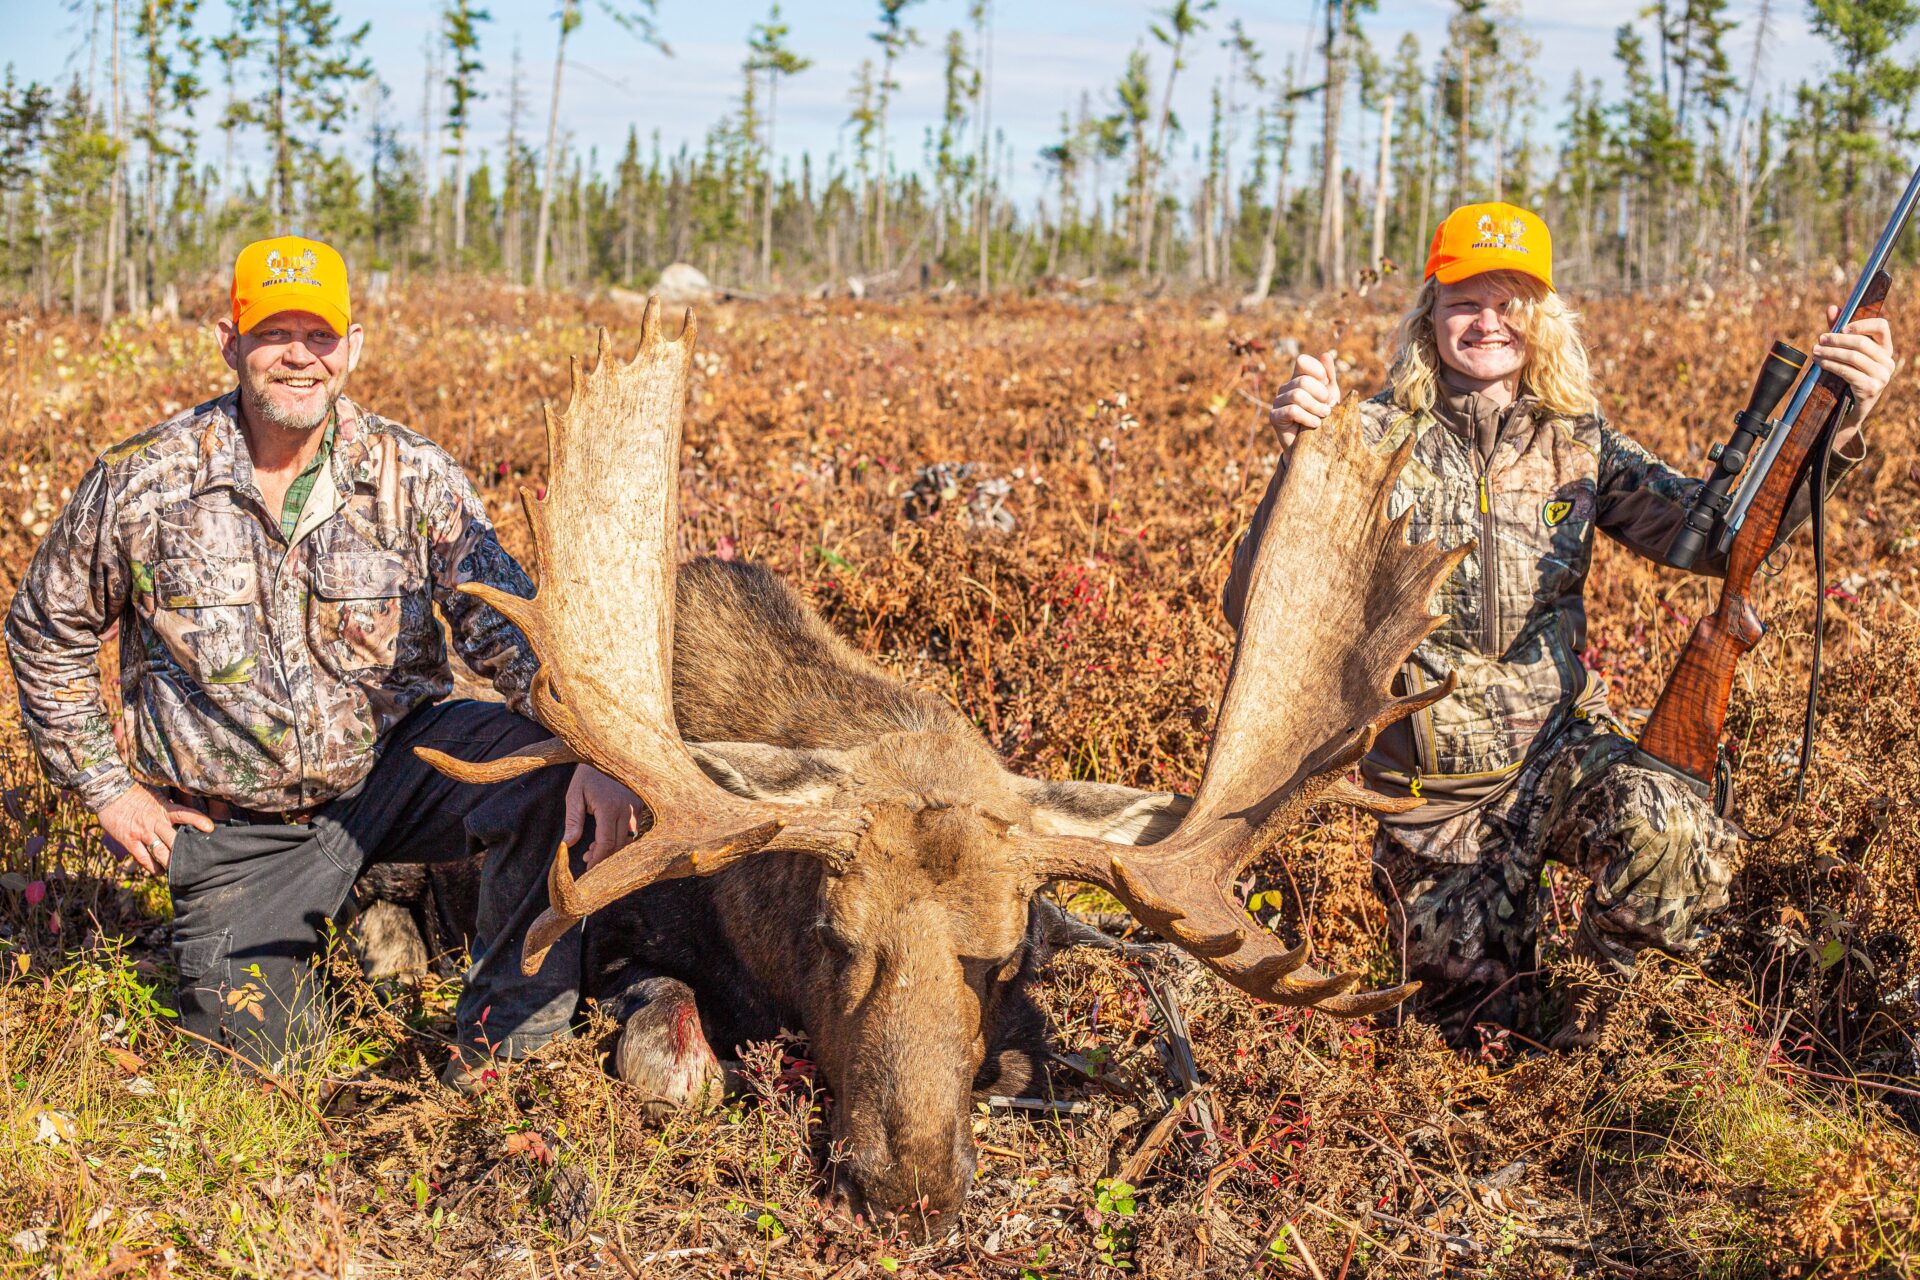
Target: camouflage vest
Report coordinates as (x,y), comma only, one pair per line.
(1516,617)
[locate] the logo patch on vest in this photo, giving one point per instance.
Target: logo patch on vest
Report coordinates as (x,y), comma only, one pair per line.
(1556,512)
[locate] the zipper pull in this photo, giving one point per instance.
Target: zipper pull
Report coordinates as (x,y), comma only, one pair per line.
(1483,495)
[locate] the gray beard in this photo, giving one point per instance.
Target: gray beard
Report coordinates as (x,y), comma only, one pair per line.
(263,410)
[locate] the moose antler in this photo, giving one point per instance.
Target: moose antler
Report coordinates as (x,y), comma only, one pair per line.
(602,625)
(1338,602)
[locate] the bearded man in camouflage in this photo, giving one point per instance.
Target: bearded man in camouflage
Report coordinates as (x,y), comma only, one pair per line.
(272,559)
(1525,762)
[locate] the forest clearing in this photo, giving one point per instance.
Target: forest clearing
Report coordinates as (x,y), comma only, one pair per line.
(1059,581)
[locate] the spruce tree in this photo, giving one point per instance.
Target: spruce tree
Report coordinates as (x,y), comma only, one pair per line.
(1133,96)
(771,54)
(637,17)
(460,28)
(1869,93)
(1243,67)
(1279,137)
(308,66)
(1179,23)
(170,54)
(25,112)
(1472,42)
(894,39)
(865,119)
(952,164)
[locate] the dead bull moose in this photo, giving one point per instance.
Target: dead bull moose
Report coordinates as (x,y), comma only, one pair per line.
(834,851)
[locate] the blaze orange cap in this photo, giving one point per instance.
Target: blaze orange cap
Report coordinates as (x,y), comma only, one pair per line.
(1490,237)
(290,273)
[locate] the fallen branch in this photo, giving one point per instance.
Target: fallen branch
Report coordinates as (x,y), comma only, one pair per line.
(1001,1103)
(1180,1060)
(611,1251)
(1375,1241)
(1460,1243)
(1141,1160)
(1306,1254)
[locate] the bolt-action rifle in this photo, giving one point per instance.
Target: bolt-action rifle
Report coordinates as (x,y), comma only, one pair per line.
(1742,504)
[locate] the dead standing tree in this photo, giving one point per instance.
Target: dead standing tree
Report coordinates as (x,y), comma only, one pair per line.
(639,21)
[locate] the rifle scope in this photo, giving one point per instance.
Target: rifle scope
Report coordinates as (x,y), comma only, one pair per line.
(1755,422)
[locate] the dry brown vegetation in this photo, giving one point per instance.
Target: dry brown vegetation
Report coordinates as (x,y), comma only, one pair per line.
(1751,1116)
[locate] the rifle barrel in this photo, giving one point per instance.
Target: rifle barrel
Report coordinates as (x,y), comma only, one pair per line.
(1757,468)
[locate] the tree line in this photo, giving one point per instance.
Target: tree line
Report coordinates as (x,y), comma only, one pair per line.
(1323,166)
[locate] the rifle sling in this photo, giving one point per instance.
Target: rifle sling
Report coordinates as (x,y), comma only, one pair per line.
(1819,607)
(1817,472)
(1641,759)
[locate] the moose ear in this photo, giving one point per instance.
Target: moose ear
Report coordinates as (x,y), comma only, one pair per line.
(784,775)
(1102,810)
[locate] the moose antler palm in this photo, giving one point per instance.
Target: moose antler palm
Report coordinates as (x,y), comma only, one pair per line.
(602,625)
(1338,602)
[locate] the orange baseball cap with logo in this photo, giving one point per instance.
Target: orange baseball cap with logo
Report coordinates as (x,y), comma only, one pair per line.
(1490,237)
(290,273)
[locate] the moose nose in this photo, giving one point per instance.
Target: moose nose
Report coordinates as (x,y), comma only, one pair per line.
(920,1221)
(919,1197)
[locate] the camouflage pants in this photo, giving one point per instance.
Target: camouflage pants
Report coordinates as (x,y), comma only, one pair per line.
(1465,896)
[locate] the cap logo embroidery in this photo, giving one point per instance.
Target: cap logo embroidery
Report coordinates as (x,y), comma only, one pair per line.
(299,271)
(1494,236)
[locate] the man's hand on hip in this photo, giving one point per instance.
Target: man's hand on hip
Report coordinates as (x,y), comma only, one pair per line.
(140,825)
(615,811)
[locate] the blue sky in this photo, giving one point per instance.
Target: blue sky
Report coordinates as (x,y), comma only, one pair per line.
(1045,55)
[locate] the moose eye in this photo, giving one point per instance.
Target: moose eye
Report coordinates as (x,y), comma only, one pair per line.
(824,935)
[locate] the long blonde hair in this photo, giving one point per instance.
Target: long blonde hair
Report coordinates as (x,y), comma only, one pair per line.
(1556,371)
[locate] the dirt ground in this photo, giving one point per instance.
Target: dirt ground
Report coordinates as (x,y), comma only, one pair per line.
(1059,582)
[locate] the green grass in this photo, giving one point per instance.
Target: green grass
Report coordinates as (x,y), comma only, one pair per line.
(134,1138)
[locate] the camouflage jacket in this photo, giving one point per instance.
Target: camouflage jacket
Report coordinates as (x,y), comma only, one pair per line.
(253,669)
(1517,617)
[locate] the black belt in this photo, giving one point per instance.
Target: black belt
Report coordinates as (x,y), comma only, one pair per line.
(224,811)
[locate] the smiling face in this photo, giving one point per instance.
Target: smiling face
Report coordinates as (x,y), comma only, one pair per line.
(292,367)
(1473,333)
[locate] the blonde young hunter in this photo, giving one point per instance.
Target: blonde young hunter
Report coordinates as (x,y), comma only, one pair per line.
(1525,762)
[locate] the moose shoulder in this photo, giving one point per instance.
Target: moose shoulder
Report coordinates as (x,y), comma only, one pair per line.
(834,850)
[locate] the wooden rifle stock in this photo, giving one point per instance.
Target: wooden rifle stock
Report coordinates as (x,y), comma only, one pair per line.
(1684,730)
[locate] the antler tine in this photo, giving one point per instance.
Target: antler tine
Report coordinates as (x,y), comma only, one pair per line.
(602,625)
(1338,602)
(503,769)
